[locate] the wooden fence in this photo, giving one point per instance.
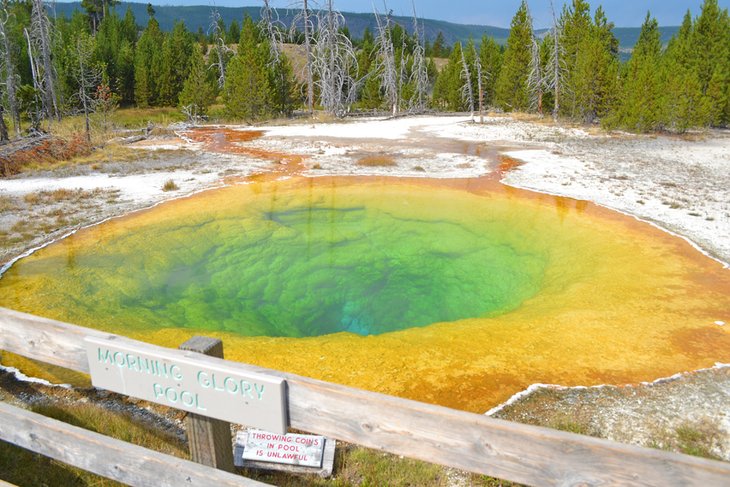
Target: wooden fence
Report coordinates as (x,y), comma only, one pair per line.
(466,441)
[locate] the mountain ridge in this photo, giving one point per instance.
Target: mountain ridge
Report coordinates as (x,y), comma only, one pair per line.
(199,16)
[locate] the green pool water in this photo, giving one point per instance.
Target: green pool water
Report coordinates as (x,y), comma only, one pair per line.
(274,265)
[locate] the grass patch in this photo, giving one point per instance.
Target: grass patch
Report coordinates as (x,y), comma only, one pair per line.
(25,468)
(360,466)
(355,465)
(7,204)
(698,438)
(170,186)
(369,467)
(20,226)
(139,117)
(64,195)
(572,425)
(116,425)
(108,153)
(376,161)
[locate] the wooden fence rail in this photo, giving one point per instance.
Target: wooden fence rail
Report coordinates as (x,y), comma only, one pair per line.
(466,441)
(108,457)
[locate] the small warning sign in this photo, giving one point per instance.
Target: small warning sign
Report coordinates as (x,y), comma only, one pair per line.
(291,449)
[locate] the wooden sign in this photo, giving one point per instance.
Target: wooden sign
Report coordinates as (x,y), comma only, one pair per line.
(291,449)
(183,381)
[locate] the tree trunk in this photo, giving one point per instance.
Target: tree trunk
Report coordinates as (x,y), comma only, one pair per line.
(556,63)
(84,100)
(3,128)
(308,49)
(43,36)
(481,105)
(9,73)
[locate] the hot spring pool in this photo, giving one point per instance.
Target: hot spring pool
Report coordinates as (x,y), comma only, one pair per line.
(453,292)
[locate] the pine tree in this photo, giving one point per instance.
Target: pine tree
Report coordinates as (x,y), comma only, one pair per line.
(115,51)
(246,92)
(66,57)
(146,64)
(129,27)
(711,48)
(285,91)
(447,94)
(198,91)
(490,55)
(594,74)
(437,49)
(123,85)
(174,64)
(511,90)
(371,96)
(233,36)
(683,105)
(575,23)
(639,106)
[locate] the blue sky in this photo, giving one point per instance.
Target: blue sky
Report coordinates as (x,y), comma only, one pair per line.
(623,13)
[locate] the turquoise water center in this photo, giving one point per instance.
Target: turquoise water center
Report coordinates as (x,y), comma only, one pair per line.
(283,265)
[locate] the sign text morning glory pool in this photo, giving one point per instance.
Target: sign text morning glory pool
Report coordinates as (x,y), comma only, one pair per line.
(185,381)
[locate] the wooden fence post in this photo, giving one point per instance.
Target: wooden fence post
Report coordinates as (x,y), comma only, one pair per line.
(209,439)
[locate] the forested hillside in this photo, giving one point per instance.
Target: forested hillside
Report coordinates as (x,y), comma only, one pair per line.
(98,59)
(197,17)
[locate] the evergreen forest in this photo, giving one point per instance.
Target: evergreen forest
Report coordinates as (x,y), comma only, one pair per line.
(100,59)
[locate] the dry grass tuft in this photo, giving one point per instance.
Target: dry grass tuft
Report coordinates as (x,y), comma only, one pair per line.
(376,161)
(170,186)
(108,153)
(7,204)
(64,195)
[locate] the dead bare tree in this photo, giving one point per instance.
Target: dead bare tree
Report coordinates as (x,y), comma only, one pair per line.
(271,26)
(480,82)
(221,49)
(555,76)
(39,39)
(403,76)
(334,61)
(88,77)
(385,62)
(467,89)
(536,78)
(419,72)
(35,108)
(305,18)
(8,68)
